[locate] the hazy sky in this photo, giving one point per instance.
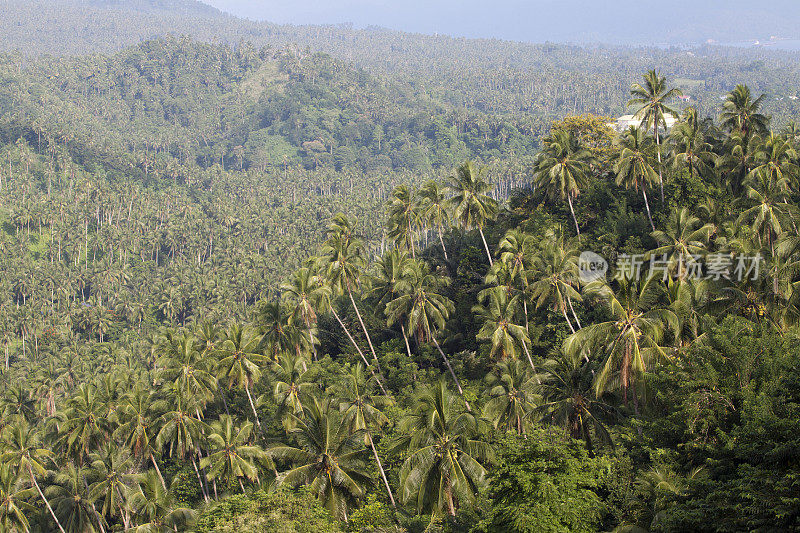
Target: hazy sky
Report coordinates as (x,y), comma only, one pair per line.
(540,20)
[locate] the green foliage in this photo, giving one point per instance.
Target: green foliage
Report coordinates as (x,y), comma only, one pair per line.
(545,482)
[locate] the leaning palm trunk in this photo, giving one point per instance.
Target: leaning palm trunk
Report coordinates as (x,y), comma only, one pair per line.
(354,343)
(252,405)
(485,246)
(364,327)
(647,206)
(530,360)
(572,210)
(660,176)
(405,338)
(380,467)
(158,471)
(441,240)
(575,316)
(452,374)
(41,494)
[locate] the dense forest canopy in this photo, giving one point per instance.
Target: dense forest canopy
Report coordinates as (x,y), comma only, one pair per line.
(276,288)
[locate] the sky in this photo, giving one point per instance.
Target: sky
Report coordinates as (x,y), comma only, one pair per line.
(644,21)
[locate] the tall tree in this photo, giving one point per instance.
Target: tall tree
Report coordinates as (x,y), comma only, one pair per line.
(633,165)
(652,99)
(471,204)
(561,169)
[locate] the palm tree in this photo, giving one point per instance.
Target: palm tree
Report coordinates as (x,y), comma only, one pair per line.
(689,147)
(330,459)
(511,396)
(14,501)
(499,312)
(568,400)
(181,433)
(68,492)
(155,508)
(684,240)
(471,204)
(240,362)
(770,214)
(740,113)
(232,456)
(630,339)
(306,294)
(632,166)
(561,169)
(281,335)
(343,254)
(651,100)
(517,254)
(445,467)
(404,217)
(360,407)
(294,384)
(556,277)
(423,309)
(183,365)
(84,424)
(392,269)
(116,482)
(22,449)
(138,415)
(434,209)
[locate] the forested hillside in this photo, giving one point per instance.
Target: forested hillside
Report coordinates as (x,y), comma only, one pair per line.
(410,284)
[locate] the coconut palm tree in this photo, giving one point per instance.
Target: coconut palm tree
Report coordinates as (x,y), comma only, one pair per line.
(556,278)
(689,147)
(392,269)
(281,334)
(517,253)
(651,101)
(22,450)
(115,483)
(446,465)
(562,169)
(184,365)
(330,458)
(294,384)
(630,340)
(471,204)
(423,309)
(435,209)
(344,262)
(84,424)
(75,510)
(568,400)
(156,510)
(511,396)
(360,406)
(404,216)
(14,498)
(740,113)
(684,240)
(240,363)
(633,164)
(499,312)
(233,456)
(306,294)
(138,416)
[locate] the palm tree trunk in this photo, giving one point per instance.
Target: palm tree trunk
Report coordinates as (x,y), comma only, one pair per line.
(158,471)
(354,343)
(564,312)
(578,322)
(200,480)
(452,374)
(486,246)
(364,327)
(530,360)
(380,467)
(252,405)
(441,240)
(47,503)
(405,338)
(658,152)
(647,205)
(572,210)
